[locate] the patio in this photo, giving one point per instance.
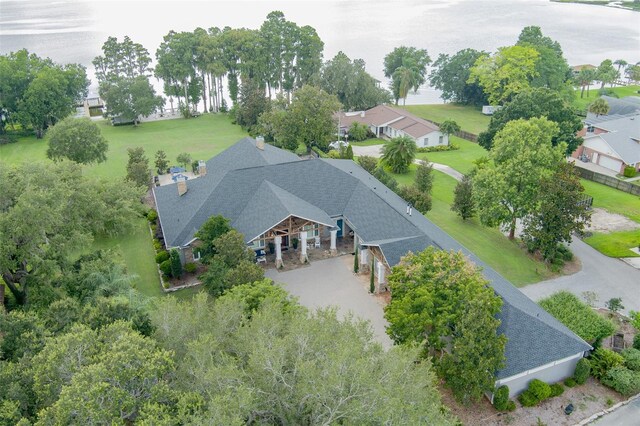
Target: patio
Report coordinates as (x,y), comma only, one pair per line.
(291,256)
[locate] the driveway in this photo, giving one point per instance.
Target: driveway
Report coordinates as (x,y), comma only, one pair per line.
(605,276)
(330,282)
(627,415)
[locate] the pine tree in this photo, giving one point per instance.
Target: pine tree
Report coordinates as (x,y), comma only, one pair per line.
(463,203)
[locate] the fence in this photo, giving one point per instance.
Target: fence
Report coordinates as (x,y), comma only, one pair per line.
(609,181)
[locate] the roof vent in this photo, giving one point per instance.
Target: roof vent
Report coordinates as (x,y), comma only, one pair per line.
(260,143)
(202,168)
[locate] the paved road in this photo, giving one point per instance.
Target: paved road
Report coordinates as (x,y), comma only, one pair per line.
(330,282)
(605,276)
(627,415)
(374,151)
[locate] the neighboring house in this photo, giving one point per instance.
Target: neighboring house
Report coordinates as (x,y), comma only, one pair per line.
(611,141)
(617,107)
(386,121)
(271,195)
(90,107)
(575,70)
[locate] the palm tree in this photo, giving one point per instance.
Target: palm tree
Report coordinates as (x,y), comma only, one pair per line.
(399,153)
(589,75)
(404,79)
(620,63)
(599,107)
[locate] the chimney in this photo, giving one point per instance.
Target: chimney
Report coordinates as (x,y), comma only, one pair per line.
(182,186)
(202,168)
(260,143)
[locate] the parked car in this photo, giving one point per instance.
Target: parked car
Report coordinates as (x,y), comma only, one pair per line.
(338,144)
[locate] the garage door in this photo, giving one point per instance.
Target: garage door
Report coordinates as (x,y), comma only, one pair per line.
(610,163)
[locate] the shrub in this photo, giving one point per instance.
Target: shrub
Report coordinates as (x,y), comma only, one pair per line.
(629,171)
(511,406)
(176,264)
(190,267)
(556,390)
(358,131)
(578,317)
(614,304)
(570,382)
(162,256)
(603,360)
(636,341)
(539,389)
(439,148)
(622,380)
(318,151)
(631,358)
(152,215)
(582,371)
(527,399)
(157,245)
(334,154)
(501,398)
(165,267)
(564,252)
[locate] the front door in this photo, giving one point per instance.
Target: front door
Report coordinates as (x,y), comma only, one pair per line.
(285,241)
(340,224)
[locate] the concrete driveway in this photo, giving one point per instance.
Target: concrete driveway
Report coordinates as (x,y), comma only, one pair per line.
(331,282)
(605,276)
(627,415)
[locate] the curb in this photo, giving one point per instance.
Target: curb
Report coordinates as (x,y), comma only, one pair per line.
(596,416)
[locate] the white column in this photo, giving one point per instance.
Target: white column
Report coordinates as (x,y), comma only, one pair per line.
(334,235)
(364,256)
(278,241)
(380,273)
(303,241)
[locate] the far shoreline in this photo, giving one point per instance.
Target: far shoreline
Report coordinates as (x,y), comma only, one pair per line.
(624,5)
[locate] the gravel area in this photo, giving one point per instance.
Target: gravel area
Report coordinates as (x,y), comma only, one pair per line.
(603,221)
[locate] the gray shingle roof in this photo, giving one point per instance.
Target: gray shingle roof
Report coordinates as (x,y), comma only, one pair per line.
(623,134)
(256,190)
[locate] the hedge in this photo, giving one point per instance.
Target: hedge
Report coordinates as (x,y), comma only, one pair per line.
(631,358)
(622,380)
(578,317)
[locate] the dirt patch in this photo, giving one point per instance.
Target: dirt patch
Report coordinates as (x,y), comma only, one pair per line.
(604,221)
(625,329)
(587,399)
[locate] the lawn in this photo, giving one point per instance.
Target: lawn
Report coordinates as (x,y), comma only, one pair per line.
(202,137)
(470,118)
(369,142)
(460,159)
(613,200)
(616,244)
(582,103)
(489,244)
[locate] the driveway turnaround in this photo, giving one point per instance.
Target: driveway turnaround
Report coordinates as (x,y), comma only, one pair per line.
(605,276)
(331,282)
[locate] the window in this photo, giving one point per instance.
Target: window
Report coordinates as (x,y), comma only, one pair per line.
(312,230)
(441,140)
(591,129)
(196,254)
(426,141)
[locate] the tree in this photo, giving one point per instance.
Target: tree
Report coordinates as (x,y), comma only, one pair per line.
(558,214)
(368,163)
(309,120)
(123,76)
(450,74)
(584,79)
(352,85)
(442,302)
(176,264)
(406,67)
(449,127)
(506,73)
(552,69)
(633,72)
(231,249)
(620,63)
(424,176)
(399,153)
(507,188)
(420,200)
(537,103)
(599,107)
(184,158)
(210,230)
(463,203)
(358,131)
(77,139)
(280,365)
(51,96)
(161,162)
(251,105)
(48,212)
(606,73)
(138,167)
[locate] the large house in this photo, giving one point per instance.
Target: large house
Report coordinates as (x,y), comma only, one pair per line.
(611,141)
(271,195)
(386,121)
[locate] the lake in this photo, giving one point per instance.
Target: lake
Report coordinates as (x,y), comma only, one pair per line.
(73,31)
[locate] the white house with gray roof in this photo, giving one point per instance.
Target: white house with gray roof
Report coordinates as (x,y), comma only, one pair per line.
(611,141)
(272,195)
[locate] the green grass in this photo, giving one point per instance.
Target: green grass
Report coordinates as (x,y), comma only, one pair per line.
(616,244)
(369,142)
(460,159)
(202,137)
(582,103)
(137,251)
(489,244)
(469,118)
(613,200)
